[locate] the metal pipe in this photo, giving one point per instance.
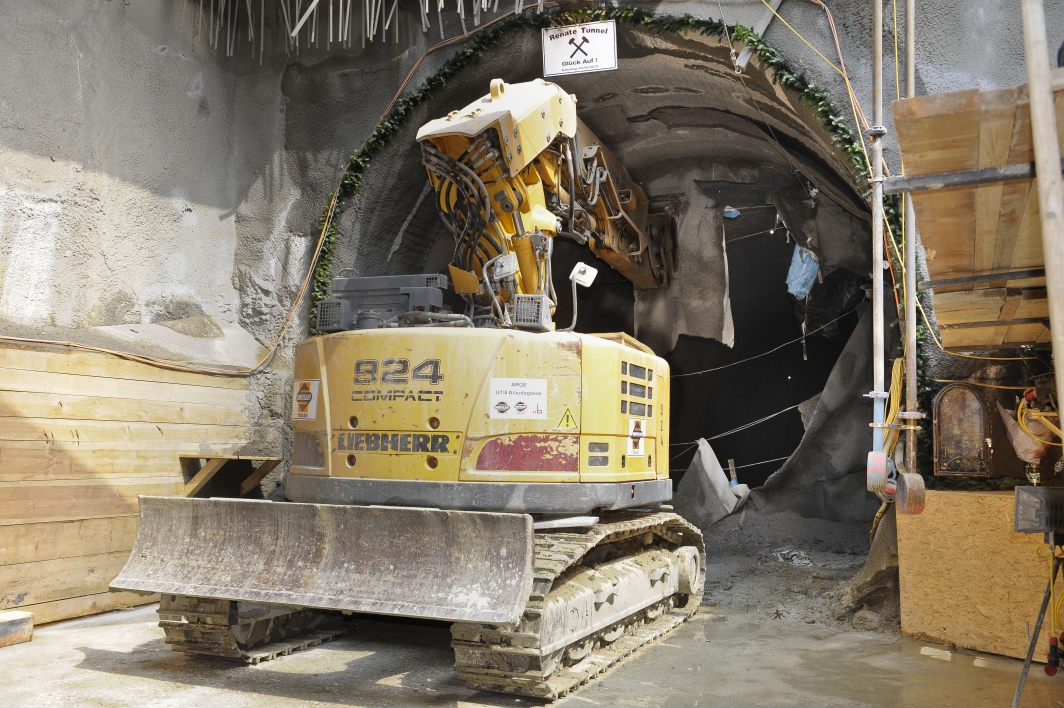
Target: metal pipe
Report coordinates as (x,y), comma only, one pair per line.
(1046,162)
(876,135)
(911,404)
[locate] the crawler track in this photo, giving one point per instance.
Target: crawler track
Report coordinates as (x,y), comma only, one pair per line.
(214,628)
(513,659)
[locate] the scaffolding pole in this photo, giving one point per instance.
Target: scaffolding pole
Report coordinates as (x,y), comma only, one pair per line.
(875,133)
(1047,167)
(911,404)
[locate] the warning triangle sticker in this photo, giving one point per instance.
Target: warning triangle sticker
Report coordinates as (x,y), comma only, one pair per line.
(568,421)
(303,402)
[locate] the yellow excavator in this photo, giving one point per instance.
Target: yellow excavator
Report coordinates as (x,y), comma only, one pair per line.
(473,464)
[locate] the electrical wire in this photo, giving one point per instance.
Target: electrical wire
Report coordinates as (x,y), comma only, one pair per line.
(739,467)
(741,428)
(770,351)
(271,348)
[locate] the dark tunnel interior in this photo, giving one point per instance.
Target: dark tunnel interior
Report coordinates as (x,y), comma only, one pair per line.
(680,123)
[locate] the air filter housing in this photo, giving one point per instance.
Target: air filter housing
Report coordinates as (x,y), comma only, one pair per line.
(1039,510)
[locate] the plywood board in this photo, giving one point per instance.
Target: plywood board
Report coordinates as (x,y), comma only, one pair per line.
(28,543)
(83,605)
(966,578)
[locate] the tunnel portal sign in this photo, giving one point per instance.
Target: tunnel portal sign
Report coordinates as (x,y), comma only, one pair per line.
(576,49)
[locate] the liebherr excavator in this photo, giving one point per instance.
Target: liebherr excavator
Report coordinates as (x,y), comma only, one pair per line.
(476,464)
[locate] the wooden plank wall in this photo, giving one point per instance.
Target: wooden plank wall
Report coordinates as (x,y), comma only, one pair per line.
(967,578)
(81,436)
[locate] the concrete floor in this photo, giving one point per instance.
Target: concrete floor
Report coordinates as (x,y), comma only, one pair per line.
(722,657)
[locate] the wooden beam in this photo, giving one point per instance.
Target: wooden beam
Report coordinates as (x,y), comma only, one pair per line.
(258,475)
(29,543)
(204,475)
(62,499)
(984,278)
(86,605)
(1013,300)
(1007,347)
(996,323)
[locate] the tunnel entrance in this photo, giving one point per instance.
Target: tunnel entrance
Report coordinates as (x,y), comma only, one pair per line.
(698,138)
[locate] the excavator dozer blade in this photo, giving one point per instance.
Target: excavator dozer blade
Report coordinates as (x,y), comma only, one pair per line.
(447,565)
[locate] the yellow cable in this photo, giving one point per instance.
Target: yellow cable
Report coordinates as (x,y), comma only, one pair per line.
(890,438)
(1021,418)
(799,36)
(983,385)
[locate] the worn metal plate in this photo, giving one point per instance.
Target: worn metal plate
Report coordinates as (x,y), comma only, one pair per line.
(448,565)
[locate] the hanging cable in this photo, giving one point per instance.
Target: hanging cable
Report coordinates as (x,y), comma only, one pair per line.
(770,351)
(741,427)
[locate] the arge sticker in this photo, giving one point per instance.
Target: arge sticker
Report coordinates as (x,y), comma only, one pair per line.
(518,398)
(636,447)
(305,400)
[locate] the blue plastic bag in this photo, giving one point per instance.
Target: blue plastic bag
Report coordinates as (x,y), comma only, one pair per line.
(802,274)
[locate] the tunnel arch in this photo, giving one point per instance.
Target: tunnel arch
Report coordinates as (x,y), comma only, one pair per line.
(690,130)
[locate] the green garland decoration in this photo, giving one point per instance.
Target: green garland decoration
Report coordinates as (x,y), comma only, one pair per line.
(779,68)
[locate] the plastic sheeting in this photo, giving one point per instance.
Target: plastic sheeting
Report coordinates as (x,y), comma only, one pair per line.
(802,275)
(704,497)
(1027,448)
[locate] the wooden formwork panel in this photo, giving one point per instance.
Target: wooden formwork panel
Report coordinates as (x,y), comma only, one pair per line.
(967,578)
(82,435)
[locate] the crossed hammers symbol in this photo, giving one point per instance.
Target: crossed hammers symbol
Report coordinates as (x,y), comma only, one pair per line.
(579,47)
